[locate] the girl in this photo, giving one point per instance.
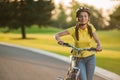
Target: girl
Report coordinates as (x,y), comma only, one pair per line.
(82,34)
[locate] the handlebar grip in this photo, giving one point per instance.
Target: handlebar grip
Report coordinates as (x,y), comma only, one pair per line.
(93,49)
(67,44)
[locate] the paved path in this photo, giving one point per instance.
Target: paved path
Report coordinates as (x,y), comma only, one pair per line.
(22,64)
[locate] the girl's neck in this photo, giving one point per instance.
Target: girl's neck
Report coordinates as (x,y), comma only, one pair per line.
(82,27)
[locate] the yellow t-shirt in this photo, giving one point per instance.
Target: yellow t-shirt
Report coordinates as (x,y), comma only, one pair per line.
(84,40)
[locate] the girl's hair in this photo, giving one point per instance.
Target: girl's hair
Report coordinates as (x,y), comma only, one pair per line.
(78,11)
(89,32)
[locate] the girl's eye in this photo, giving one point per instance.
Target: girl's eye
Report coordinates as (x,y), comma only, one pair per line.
(82,16)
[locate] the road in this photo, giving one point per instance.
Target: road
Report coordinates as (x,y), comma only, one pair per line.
(22,64)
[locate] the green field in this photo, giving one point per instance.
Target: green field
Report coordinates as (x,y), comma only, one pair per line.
(43,38)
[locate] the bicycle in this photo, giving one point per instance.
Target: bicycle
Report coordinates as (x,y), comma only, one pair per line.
(73,71)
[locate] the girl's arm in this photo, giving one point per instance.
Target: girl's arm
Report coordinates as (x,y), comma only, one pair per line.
(99,48)
(60,34)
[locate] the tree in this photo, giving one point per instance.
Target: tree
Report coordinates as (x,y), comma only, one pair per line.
(4,13)
(24,13)
(115,19)
(60,22)
(74,7)
(97,18)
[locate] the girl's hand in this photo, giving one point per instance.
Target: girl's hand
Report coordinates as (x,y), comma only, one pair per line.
(60,42)
(99,48)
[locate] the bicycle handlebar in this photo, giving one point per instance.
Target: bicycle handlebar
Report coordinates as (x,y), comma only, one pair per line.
(79,49)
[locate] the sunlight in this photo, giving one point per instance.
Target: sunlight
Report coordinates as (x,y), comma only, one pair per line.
(106,5)
(65,2)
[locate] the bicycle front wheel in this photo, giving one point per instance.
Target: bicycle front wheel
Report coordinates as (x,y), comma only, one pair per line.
(73,76)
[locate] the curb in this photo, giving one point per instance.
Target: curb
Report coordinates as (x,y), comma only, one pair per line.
(107,75)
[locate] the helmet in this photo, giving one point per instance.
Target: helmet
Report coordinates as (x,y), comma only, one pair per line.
(82,9)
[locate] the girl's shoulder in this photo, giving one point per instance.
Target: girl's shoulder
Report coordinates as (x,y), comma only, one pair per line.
(92,27)
(71,30)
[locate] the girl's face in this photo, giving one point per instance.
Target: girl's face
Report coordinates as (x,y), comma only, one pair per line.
(83,18)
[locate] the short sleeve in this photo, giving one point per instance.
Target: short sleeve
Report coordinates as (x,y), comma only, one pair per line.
(71,30)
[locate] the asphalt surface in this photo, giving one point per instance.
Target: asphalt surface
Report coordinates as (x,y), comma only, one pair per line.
(22,64)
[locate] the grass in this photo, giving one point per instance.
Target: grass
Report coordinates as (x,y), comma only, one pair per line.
(110,39)
(108,59)
(34,30)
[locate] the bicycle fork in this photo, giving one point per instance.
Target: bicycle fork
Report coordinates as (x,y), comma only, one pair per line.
(73,71)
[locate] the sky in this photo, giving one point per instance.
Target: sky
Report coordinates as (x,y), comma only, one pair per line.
(105,4)
(98,4)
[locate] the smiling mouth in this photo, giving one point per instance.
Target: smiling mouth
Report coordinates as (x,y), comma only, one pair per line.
(82,21)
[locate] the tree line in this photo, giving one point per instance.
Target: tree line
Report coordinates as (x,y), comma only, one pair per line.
(15,14)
